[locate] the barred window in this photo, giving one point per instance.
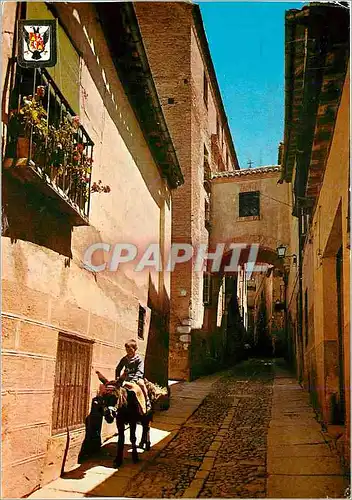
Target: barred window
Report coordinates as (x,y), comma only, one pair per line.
(71,389)
(206,289)
(207,170)
(249,204)
(141,321)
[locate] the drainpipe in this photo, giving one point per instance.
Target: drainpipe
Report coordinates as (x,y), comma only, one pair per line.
(300,292)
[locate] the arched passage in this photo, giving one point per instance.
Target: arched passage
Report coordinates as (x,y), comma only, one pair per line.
(263,255)
(255,300)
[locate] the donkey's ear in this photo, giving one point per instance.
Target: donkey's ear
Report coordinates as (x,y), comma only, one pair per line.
(101,377)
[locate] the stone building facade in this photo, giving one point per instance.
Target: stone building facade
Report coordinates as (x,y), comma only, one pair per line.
(251,208)
(316,166)
(61,319)
(185,79)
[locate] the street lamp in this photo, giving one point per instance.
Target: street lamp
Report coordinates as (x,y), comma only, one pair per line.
(281,253)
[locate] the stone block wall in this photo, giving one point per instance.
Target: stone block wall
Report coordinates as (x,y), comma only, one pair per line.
(47,290)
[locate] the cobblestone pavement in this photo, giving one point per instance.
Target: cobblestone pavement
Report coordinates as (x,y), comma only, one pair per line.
(249,432)
(220,451)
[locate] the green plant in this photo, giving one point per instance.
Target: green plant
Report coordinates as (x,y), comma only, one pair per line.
(33,116)
(70,157)
(57,146)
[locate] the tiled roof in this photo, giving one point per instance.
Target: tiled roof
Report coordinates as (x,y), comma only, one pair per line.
(248,171)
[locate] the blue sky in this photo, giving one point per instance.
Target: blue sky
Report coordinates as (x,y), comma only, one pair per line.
(246,41)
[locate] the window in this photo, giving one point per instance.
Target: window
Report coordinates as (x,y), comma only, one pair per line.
(205,90)
(141,321)
(251,285)
(206,289)
(71,388)
(217,126)
(306,220)
(207,171)
(249,204)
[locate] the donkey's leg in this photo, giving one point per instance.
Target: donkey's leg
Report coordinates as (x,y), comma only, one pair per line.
(147,435)
(133,438)
(120,444)
(144,437)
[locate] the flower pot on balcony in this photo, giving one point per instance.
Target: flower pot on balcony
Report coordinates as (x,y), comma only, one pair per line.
(7,163)
(22,149)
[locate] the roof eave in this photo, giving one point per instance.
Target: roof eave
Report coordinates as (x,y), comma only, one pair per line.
(131,63)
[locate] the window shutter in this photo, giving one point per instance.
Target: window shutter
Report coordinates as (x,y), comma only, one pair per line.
(66,72)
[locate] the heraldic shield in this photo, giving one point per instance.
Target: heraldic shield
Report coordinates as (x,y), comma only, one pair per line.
(37,43)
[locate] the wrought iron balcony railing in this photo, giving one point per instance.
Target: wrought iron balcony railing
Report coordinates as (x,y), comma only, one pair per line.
(47,145)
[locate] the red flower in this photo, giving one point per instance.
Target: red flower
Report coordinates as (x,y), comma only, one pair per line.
(40,91)
(76,121)
(80,148)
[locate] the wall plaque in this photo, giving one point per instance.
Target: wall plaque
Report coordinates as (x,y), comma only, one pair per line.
(37,43)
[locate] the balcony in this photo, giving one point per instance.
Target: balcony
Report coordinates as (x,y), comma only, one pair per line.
(47,147)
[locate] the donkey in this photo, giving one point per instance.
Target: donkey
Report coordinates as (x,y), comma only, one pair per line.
(117,403)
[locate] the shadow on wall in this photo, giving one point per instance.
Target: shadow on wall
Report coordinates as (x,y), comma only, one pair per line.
(30,216)
(207,353)
(81,22)
(224,345)
(92,440)
(236,333)
(157,350)
(156,369)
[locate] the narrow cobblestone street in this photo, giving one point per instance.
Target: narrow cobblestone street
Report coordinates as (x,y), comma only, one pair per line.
(230,435)
(220,451)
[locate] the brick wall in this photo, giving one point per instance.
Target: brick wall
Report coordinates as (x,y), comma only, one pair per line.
(166,32)
(178,66)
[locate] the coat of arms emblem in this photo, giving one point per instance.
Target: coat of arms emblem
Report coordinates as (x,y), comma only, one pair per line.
(37,43)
